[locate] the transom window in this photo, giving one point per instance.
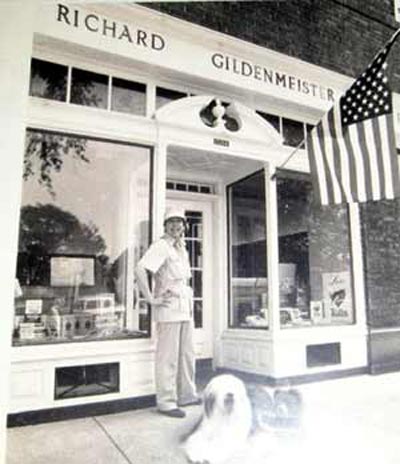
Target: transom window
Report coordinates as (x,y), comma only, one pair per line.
(74,85)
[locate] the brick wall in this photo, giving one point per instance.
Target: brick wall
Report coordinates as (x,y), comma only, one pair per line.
(381,232)
(341,35)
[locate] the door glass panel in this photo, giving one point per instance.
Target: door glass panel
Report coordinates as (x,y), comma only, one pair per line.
(248,285)
(84,223)
(198,313)
(194,244)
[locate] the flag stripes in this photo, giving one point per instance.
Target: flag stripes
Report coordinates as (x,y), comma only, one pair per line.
(355,166)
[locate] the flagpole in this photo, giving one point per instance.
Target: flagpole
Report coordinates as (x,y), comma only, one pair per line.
(394,36)
(288,158)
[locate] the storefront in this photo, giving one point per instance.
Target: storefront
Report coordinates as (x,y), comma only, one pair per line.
(129,111)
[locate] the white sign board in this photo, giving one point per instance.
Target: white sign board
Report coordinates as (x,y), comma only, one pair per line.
(144,39)
(397,10)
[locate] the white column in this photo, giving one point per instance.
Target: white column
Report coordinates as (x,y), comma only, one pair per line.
(159,194)
(358,267)
(272,249)
(16,36)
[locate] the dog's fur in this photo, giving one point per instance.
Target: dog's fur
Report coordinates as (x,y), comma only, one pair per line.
(232,412)
(225,424)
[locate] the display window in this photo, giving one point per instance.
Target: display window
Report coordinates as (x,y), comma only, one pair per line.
(84,223)
(248,285)
(315,274)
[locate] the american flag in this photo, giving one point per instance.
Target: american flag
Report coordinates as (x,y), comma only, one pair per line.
(352,150)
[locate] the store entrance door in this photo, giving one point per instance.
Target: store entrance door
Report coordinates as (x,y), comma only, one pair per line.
(199,245)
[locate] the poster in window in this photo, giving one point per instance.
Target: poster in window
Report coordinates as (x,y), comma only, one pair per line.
(338,304)
(71,271)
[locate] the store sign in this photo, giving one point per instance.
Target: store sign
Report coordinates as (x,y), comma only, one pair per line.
(231,64)
(109,28)
(142,35)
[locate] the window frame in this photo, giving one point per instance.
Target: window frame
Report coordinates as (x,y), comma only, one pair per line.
(136,306)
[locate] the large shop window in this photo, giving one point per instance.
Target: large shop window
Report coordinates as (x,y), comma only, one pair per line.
(247,252)
(84,223)
(315,275)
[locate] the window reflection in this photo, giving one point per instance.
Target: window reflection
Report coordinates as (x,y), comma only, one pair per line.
(293,132)
(248,256)
(89,88)
(48,80)
(314,257)
(128,97)
(194,245)
(79,240)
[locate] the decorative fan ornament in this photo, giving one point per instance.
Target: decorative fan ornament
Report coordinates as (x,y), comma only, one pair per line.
(220,114)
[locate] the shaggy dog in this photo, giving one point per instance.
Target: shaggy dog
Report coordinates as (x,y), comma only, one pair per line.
(233,412)
(225,424)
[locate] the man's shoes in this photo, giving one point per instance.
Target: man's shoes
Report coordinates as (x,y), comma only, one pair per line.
(195,402)
(176,412)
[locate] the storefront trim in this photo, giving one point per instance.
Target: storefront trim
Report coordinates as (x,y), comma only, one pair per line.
(295,380)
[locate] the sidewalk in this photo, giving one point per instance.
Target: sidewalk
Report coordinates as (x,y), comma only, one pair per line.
(349,420)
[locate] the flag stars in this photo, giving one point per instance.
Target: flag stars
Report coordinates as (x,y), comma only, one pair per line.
(368,96)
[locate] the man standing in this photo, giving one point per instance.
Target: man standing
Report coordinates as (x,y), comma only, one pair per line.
(172,302)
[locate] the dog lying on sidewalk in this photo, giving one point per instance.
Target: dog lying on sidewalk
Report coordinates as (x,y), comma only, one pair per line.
(232,413)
